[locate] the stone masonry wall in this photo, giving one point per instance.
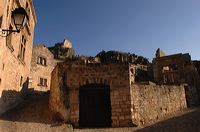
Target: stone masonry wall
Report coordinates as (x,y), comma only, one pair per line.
(59,99)
(131,103)
(14,71)
(152,102)
(68,78)
(2,3)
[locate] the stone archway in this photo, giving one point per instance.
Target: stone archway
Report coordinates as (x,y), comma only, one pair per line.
(94,106)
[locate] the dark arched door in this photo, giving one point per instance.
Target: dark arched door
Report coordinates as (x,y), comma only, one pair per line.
(94,106)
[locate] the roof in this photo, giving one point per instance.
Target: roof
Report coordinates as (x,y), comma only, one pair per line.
(43,46)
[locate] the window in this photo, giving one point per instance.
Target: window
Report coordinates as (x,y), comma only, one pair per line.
(1,17)
(42,82)
(7,9)
(22,48)
(174,67)
(9,40)
(41,61)
(21,81)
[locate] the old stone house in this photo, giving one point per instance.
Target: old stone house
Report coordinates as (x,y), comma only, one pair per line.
(43,61)
(15,53)
(178,69)
(42,64)
(109,94)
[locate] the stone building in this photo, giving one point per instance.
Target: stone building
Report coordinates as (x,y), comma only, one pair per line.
(178,69)
(44,60)
(108,94)
(197,65)
(15,53)
(42,64)
(159,53)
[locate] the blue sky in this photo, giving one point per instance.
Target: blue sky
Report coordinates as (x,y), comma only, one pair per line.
(139,26)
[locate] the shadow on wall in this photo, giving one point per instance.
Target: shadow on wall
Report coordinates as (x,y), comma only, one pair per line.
(11,98)
(26,105)
(32,108)
(188,122)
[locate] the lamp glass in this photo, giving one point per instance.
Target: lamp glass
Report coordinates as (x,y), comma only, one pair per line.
(19,17)
(25,21)
(18,20)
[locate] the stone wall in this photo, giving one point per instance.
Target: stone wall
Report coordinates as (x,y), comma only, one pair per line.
(192,97)
(131,103)
(197,65)
(68,78)
(10,99)
(152,102)
(59,94)
(2,3)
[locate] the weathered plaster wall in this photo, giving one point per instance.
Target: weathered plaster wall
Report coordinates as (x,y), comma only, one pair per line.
(152,102)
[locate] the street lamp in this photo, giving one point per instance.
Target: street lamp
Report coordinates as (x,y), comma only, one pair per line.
(19,17)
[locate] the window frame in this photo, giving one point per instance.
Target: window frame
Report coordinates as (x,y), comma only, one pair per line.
(41,61)
(22,48)
(42,82)
(21,81)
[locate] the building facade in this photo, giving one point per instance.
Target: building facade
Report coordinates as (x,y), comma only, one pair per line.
(42,64)
(15,53)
